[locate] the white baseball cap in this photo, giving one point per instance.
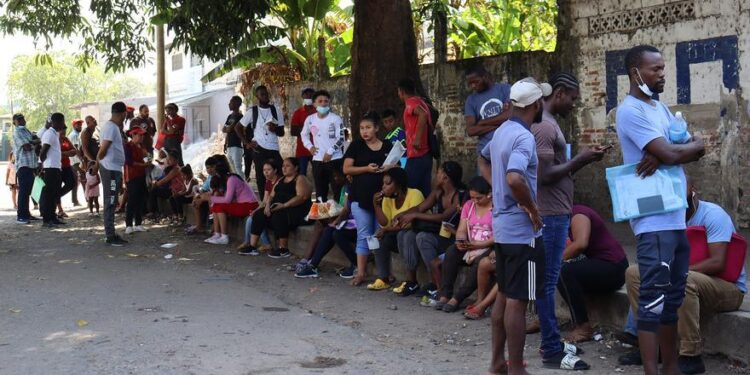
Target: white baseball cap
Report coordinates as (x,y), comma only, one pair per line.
(527,91)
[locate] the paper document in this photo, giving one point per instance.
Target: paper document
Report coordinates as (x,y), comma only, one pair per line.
(395,155)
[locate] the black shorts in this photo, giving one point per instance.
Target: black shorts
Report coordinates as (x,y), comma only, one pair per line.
(520,270)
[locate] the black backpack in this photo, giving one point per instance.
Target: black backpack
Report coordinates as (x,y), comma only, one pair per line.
(432,136)
(250,130)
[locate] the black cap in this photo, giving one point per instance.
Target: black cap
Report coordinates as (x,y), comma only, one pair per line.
(119,107)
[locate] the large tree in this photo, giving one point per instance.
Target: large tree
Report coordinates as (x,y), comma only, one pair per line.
(384,51)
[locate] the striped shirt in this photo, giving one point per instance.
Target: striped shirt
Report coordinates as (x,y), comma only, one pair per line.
(24,158)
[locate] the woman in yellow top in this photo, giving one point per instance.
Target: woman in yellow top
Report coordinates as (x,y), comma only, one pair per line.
(394,199)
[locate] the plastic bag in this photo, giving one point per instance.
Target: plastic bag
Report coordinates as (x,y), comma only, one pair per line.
(327,210)
(634,197)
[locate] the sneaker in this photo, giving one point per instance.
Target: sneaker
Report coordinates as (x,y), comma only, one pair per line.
(279,253)
(139,228)
(426,290)
(33,218)
(116,241)
(301,265)
(379,284)
(428,302)
(406,288)
(348,273)
(129,230)
(627,338)
(22,221)
(249,251)
(691,364)
(215,236)
(309,271)
(222,239)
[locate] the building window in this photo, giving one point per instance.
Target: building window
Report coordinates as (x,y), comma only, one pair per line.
(195,60)
(176,62)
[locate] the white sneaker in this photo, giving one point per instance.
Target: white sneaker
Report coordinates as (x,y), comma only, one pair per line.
(129,230)
(212,238)
(139,228)
(221,240)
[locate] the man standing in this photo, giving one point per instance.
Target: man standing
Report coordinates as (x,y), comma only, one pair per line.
(233,143)
(555,205)
(298,121)
(509,163)
(663,251)
(327,146)
(89,143)
(109,163)
(51,158)
(261,128)
(26,164)
(417,123)
(486,108)
(173,128)
(75,139)
(145,122)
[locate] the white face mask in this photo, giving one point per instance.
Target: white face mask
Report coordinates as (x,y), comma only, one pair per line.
(644,88)
(307,102)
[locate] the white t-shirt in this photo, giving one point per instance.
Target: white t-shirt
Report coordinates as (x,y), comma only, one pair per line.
(327,135)
(54,154)
(114,160)
(75,139)
(265,138)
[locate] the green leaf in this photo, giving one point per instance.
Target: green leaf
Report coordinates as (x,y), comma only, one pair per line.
(317,9)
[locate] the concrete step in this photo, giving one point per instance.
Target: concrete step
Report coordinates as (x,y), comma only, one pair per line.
(724,333)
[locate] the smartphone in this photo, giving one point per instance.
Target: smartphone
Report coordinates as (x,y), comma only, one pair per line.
(607,147)
(461,241)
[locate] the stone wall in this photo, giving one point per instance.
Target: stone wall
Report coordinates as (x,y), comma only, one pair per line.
(706,45)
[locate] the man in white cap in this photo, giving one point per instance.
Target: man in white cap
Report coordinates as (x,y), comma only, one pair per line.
(509,163)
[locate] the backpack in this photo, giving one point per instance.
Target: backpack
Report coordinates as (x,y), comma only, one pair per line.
(432,137)
(250,130)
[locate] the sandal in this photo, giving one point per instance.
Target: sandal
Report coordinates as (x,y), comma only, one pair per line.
(472,313)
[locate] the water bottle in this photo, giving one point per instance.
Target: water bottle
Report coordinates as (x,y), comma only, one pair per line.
(678,129)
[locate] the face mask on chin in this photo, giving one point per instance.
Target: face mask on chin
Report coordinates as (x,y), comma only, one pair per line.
(643,86)
(307,102)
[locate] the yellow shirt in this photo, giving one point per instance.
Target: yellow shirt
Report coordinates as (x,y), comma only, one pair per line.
(413,198)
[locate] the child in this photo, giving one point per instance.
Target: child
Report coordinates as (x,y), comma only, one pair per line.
(10,179)
(92,189)
(393,131)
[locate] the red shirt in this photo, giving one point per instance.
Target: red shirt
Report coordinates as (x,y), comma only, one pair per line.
(176,123)
(410,126)
(65,145)
(298,121)
(133,154)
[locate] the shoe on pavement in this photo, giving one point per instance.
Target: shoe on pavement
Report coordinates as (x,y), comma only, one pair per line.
(116,241)
(222,239)
(301,265)
(129,230)
(565,361)
(139,228)
(426,301)
(409,288)
(58,222)
(213,237)
(279,253)
(22,221)
(379,284)
(33,218)
(691,365)
(309,271)
(249,251)
(348,272)
(627,338)
(632,358)
(571,349)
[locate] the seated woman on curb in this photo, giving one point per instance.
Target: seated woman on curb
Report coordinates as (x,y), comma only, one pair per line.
(170,184)
(486,289)
(272,173)
(200,201)
(238,201)
(341,232)
(392,200)
(426,221)
(289,204)
(474,241)
(594,262)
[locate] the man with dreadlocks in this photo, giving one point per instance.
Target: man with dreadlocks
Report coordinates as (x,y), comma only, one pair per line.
(555,201)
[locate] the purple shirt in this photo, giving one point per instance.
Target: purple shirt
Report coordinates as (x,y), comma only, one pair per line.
(602,245)
(238,191)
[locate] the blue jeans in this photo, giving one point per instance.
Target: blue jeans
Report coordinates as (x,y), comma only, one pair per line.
(304,161)
(555,233)
(630,326)
(663,259)
(419,171)
(25,176)
(367,225)
(264,239)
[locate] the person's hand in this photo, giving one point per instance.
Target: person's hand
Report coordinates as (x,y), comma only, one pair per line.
(450,229)
(271,127)
(372,168)
(404,218)
(267,210)
(327,157)
(647,166)
(536,220)
(591,155)
(313,150)
(379,234)
(378,198)
(278,207)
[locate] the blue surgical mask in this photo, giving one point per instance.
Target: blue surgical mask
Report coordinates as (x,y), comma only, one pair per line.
(643,86)
(323,110)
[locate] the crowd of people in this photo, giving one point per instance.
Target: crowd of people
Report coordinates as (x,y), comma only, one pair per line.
(513,230)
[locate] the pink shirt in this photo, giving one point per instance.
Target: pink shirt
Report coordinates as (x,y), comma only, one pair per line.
(238,191)
(479,228)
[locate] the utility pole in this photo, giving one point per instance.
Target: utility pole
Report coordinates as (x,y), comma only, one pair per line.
(160,77)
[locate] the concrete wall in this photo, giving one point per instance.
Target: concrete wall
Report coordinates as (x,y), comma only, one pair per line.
(706,45)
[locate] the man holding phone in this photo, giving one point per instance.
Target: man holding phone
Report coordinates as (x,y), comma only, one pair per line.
(555,206)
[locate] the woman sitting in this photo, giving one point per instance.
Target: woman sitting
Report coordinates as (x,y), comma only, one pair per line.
(425,239)
(238,201)
(272,173)
(201,200)
(474,241)
(593,262)
(171,183)
(392,200)
(185,196)
(289,204)
(486,288)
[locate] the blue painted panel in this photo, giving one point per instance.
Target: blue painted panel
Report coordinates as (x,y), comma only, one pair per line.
(699,51)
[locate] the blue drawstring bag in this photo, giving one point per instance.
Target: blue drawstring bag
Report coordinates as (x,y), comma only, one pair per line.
(634,197)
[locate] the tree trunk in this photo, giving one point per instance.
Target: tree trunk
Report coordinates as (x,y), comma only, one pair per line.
(322,65)
(440,25)
(384,51)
